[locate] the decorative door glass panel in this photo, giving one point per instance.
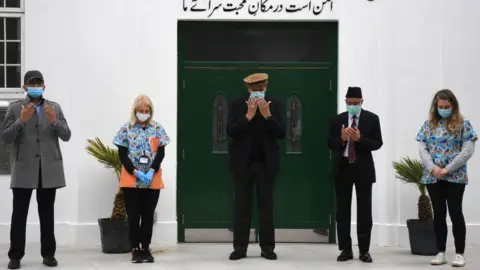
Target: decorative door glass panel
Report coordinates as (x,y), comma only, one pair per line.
(219,134)
(294,125)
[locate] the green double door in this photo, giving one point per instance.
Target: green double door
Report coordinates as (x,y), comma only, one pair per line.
(304,197)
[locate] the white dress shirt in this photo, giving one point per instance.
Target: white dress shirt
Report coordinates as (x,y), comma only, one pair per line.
(350,120)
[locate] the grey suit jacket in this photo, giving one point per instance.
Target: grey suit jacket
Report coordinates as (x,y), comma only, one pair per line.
(35,145)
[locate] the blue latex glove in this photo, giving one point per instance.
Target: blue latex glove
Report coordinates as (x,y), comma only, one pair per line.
(149,177)
(141,176)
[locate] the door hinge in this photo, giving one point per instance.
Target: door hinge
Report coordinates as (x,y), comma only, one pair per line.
(183,154)
(183,83)
(183,219)
(330,219)
(330,85)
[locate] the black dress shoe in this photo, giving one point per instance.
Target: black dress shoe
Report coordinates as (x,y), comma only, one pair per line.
(366,258)
(237,255)
(50,261)
(14,264)
(346,255)
(269,255)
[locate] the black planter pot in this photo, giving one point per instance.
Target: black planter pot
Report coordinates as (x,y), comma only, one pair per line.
(422,237)
(114,236)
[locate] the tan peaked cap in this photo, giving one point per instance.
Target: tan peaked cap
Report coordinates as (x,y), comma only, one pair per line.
(256,78)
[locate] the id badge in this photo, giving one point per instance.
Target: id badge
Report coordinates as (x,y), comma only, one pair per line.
(143,160)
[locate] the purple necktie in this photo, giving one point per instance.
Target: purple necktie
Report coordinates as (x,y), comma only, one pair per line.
(351,144)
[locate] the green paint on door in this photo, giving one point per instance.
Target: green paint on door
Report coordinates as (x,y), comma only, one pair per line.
(304,191)
(305,82)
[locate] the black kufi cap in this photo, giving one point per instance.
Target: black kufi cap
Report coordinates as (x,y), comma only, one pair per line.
(354,92)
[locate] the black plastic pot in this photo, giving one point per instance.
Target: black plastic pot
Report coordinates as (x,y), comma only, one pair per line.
(114,236)
(422,237)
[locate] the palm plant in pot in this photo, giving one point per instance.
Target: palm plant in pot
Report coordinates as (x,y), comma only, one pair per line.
(113,230)
(421,231)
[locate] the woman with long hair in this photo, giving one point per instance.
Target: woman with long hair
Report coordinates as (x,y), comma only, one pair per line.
(141,146)
(447,142)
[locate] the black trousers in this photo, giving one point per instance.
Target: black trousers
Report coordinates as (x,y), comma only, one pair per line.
(444,193)
(243,184)
(349,176)
(141,204)
(21,203)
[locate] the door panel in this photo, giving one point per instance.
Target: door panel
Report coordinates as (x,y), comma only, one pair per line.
(303,192)
(205,187)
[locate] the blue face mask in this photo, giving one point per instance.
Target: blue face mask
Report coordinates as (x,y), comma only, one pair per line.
(257,94)
(444,113)
(35,92)
(353,109)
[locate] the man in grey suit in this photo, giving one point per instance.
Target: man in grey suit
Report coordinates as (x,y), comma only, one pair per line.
(34,125)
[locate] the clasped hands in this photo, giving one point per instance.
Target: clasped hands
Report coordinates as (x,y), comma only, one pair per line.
(439,172)
(254,104)
(145,178)
(350,133)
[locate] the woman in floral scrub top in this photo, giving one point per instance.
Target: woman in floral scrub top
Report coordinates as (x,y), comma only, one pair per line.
(447,142)
(141,146)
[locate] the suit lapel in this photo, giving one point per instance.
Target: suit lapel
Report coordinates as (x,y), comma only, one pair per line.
(43,117)
(25,102)
(34,117)
(360,119)
(39,118)
(345,120)
(267,99)
(243,104)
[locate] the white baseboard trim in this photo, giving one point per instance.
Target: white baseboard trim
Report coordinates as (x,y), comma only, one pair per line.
(88,234)
(165,234)
(396,235)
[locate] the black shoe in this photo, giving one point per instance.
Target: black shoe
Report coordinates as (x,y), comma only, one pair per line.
(50,261)
(137,256)
(269,255)
(147,256)
(237,255)
(14,264)
(346,255)
(365,257)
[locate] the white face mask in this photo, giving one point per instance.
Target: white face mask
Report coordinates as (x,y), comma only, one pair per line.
(143,116)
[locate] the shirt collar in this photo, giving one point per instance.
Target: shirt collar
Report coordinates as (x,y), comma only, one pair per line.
(358,115)
(137,125)
(28,99)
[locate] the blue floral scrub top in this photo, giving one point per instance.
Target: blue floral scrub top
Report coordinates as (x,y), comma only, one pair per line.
(444,147)
(139,143)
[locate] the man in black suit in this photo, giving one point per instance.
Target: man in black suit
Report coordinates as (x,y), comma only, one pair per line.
(254,124)
(353,136)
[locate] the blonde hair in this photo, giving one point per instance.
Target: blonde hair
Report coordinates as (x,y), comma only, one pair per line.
(455,121)
(139,101)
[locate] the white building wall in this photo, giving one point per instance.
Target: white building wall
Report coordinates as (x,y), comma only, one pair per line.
(97,56)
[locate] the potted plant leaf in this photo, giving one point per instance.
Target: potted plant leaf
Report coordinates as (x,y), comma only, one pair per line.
(113,230)
(421,231)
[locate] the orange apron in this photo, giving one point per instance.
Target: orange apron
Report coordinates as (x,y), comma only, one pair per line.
(128,180)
